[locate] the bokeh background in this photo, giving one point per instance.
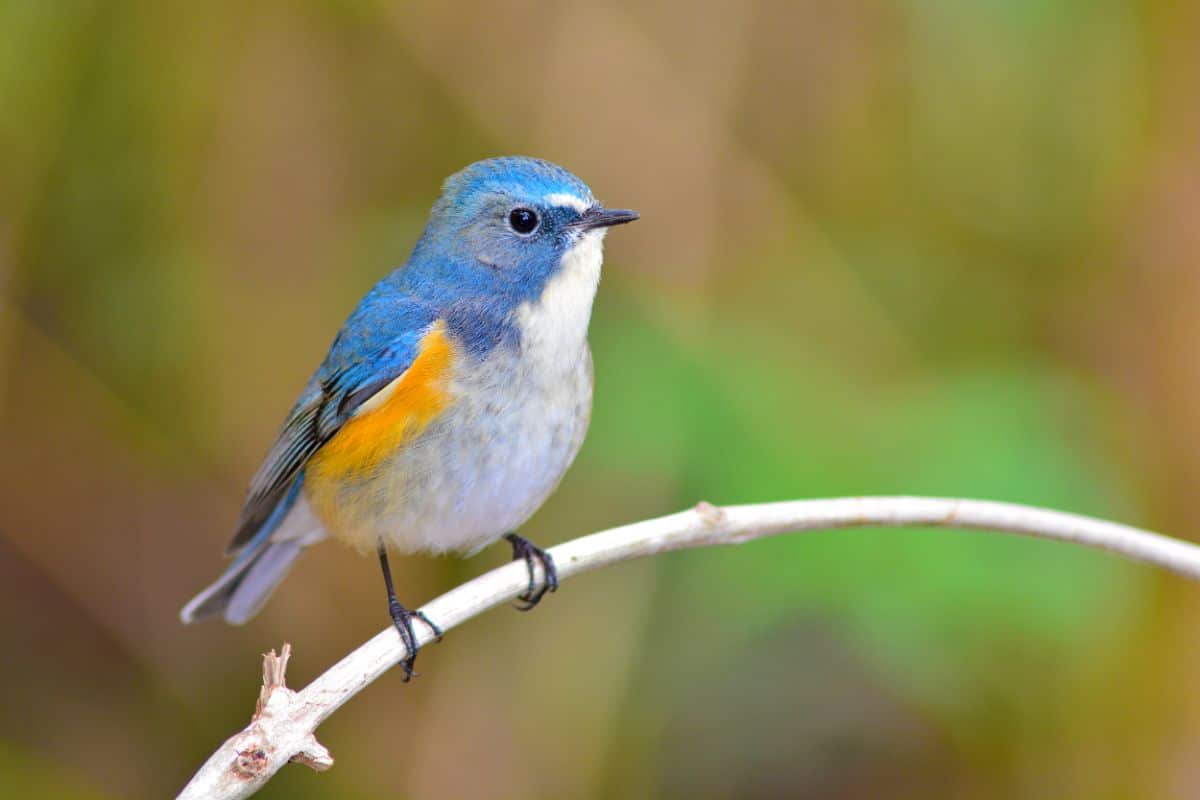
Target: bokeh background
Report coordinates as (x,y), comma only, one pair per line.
(887,247)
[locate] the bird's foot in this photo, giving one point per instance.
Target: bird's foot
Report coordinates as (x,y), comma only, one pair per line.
(527,550)
(402,618)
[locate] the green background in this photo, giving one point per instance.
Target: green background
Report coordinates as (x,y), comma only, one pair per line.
(923,247)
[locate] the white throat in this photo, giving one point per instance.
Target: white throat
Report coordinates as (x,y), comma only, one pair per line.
(554,327)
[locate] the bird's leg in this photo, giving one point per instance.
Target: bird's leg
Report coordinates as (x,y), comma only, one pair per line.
(402,618)
(523,548)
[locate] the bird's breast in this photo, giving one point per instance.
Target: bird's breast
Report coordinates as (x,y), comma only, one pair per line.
(496,434)
(477,470)
(504,436)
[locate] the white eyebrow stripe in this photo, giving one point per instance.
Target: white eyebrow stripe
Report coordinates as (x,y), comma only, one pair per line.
(565,200)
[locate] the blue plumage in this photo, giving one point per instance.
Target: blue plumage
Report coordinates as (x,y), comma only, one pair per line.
(501,282)
(529,179)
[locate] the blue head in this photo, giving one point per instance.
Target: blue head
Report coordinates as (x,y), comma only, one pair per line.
(502,230)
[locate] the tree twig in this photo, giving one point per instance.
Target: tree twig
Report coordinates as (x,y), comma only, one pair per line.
(283,727)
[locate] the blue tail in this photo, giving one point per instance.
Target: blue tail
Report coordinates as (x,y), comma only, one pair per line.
(243,588)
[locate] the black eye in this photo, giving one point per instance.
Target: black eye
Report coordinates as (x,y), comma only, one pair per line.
(523,220)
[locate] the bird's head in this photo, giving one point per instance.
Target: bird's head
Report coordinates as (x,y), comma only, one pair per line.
(508,224)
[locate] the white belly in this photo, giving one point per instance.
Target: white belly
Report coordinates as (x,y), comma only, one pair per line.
(485,466)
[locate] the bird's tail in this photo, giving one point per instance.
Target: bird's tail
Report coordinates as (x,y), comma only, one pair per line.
(266,559)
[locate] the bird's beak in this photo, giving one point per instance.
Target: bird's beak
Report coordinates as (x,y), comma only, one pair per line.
(600,217)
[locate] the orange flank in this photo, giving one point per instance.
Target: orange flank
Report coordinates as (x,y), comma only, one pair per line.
(395,415)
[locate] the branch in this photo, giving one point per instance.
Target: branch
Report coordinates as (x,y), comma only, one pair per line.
(282,729)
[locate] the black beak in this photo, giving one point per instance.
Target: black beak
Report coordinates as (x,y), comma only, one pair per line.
(600,217)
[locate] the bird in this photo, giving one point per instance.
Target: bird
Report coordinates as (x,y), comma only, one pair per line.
(451,402)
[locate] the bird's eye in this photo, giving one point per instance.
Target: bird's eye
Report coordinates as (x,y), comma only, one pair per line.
(523,220)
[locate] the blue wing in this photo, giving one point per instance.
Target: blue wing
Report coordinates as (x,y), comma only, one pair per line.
(376,345)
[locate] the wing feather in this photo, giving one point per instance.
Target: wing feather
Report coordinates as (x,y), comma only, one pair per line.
(377,344)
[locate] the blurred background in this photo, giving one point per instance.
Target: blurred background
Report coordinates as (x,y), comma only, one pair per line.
(887,247)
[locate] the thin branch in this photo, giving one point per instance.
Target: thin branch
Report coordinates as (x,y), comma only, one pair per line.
(283,728)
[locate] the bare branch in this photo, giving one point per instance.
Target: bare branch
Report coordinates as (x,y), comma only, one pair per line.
(283,727)
(278,732)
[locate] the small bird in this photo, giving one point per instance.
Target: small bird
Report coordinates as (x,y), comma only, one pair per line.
(450,403)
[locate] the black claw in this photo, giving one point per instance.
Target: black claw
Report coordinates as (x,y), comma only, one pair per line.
(524,549)
(402,618)
(438,635)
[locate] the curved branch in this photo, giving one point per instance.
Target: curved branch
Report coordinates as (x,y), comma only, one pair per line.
(283,728)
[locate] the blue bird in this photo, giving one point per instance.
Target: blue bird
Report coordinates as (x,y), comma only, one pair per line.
(451,402)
